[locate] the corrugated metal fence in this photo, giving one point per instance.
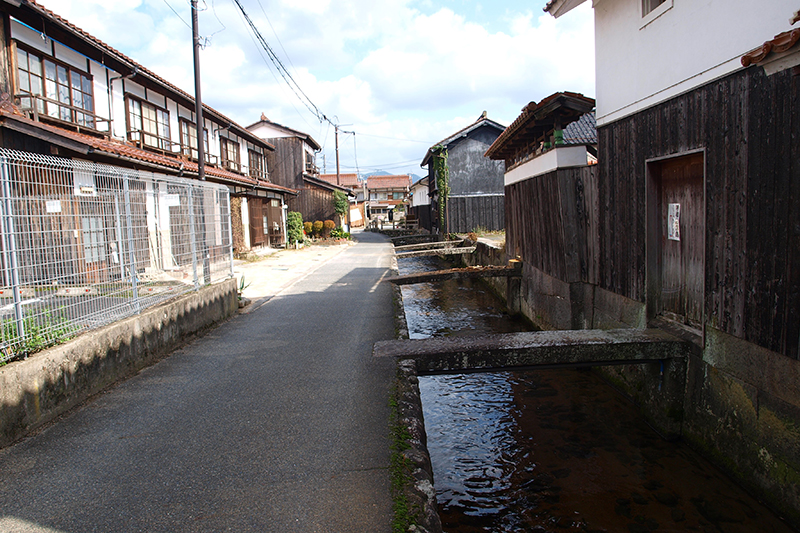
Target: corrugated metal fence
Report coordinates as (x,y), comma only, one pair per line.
(84,244)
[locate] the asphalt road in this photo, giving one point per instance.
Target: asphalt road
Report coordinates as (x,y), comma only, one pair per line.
(275,421)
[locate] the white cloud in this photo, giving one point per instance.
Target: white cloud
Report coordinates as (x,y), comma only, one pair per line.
(395,68)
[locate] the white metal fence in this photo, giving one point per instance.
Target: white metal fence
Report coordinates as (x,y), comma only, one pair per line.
(84,244)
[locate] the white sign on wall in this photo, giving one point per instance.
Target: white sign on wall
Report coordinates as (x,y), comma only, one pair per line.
(674,222)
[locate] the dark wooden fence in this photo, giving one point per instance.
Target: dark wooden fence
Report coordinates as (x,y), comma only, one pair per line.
(467,213)
(747,127)
(423,214)
(552,223)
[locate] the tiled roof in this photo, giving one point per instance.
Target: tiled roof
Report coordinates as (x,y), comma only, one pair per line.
(781,43)
(536,119)
(402,181)
(129,153)
(345,180)
(482,121)
(582,131)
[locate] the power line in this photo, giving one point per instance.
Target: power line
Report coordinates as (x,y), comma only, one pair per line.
(285,74)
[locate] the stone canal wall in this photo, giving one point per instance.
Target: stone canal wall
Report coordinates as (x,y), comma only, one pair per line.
(47,384)
(742,402)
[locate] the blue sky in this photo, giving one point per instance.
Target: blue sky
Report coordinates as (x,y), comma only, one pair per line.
(402,74)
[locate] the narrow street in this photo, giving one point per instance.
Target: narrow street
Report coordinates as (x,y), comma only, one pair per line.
(275,421)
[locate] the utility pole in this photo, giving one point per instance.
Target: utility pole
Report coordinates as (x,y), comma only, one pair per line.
(201,148)
(198,101)
(336,131)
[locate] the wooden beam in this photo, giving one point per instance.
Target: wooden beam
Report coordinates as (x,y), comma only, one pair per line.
(453,273)
(443,251)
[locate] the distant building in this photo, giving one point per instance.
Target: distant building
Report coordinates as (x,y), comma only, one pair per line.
(387,193)
(293,164)
(476,195)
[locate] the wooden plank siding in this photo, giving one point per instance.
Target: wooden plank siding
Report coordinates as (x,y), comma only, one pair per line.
(746,125)
(313,203)
(467,213)
(551,223)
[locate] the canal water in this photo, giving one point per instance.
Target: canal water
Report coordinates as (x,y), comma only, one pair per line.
(553,450)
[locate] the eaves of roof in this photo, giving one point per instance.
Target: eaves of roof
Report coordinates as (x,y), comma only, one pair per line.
(560,7)
(327,185)
(483,121)
(779,44)
(296,133)
(60,29)
(536,119)
(345,180)
(126,154)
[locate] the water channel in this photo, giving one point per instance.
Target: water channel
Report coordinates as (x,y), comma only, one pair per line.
(553,450)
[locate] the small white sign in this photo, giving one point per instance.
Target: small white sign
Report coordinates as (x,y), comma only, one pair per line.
(53,206)
(674,222)
(172,200)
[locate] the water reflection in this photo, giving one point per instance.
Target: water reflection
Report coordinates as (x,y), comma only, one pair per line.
(554,450)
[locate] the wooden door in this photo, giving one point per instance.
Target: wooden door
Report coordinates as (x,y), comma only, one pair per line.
(682,221)
(255,206)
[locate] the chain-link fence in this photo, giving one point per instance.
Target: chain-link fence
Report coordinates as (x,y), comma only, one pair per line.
(84,244)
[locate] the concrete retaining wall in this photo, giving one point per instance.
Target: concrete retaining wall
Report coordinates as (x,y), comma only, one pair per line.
(49,383)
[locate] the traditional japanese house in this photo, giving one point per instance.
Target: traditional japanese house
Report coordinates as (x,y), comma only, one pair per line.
(387,193)
(65,93)
(698,120)
(475,198)
(293,165)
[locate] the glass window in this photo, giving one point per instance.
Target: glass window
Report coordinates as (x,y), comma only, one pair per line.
(189,139)
(148,124)
(69,92)
(257,165)
(649,5)
(230,154)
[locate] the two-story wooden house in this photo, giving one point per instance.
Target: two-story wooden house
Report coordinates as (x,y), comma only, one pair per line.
(387,193)
(293,165)
(698,118)
(66,93)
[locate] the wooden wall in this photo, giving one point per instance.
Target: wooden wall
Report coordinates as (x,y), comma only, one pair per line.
(466,213)
(423,214)
(551,223)
(313,203)
(748,126)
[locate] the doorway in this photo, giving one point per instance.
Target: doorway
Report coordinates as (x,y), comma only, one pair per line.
(676,240)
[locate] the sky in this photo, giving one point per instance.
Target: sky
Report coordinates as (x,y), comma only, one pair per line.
(401,75)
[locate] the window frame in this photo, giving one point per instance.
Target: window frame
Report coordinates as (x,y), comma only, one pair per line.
(160,141)
(187,130)
(76,106)
(654,12)
(257,165)
(228,147)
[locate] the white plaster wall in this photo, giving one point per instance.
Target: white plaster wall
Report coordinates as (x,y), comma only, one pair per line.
(689,44)
(32,38)
(563,157)
(265,131)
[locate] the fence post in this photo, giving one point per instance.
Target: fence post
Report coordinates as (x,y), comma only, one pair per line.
(11,248)
(192,237)
(131,244)
(230,225)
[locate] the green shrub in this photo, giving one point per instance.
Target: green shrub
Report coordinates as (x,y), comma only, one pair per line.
(308,227)
(317,227)
(327,227)
(40,332)
(340,203)
(339,233)
(294,227)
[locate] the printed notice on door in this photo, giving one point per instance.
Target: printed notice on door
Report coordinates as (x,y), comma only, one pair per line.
(674,222)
